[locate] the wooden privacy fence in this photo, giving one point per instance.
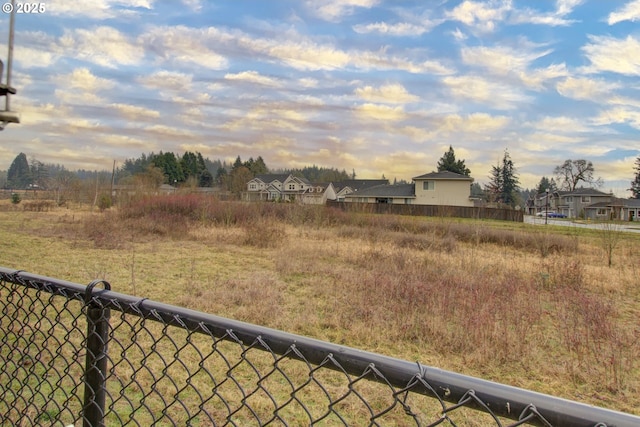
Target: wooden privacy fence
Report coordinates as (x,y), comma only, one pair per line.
(432,210)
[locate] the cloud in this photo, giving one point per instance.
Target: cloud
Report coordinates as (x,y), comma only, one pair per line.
(135,112)
(97,9)
(619,115)
(390,94)
(482,91)
(555,18)
(181,45)
(37,49)
(504,60)
(253,77)
(115,47)
(583,88)
(83,79)
(608,53)
(628,12)
(335,10)
(475,123)
(483,16)
(370,111)
(559,124)
(166,81)
(194,5)
(397,29)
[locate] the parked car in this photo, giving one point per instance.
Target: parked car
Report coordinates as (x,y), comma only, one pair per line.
(556,215)
(545,213)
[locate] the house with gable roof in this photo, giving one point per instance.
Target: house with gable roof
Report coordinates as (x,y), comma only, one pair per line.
(581,202)
(434,188)
(353,185)
(287,188)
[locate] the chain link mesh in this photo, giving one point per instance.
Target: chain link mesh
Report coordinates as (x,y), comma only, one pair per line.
(168,368)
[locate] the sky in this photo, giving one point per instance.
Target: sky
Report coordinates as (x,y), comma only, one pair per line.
(382,87)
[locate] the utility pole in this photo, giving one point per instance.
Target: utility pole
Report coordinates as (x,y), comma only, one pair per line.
(7,116)
(546,209)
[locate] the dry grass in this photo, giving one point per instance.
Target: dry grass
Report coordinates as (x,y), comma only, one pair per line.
(506,302)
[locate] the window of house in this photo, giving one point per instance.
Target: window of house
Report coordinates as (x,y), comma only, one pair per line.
(429,185)
(601,212)
(568,199)
(292,186)
(252,187)
(586,199)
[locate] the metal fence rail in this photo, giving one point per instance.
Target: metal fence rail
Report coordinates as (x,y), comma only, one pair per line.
(72,354)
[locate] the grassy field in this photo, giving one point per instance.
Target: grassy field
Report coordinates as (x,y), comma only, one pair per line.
(533,307)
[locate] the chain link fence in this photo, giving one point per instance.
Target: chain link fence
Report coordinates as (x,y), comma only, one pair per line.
(85,355)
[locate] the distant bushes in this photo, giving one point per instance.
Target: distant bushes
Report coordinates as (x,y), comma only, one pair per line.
(263,224)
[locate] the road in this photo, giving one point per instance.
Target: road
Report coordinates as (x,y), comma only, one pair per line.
(632,227)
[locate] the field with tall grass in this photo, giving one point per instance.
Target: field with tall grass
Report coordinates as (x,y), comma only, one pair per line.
(530,306)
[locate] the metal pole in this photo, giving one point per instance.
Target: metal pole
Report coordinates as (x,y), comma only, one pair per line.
(546,209)
(95,371)
(12,19)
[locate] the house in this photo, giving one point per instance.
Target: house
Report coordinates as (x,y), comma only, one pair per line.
(435,188)
(349,186)
(573,204)
(318,194)
(631,209)
(616,208)
(579,203)
(287,188)
(385,193)
(443,188)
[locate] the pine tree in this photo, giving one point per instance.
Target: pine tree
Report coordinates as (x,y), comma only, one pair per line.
(546,183)
(19,173)
(504,185)
(449,163)
(635,184)
(170,167)
(510,182)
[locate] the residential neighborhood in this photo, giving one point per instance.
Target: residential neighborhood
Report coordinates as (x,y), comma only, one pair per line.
(434,188)
(586,203)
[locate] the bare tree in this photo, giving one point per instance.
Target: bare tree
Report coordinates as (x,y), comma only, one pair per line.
(610,233)
(572,172)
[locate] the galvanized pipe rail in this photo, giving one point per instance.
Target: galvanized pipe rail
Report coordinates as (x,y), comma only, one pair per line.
(523,406)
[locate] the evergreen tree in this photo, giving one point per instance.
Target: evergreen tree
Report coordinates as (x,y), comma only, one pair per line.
(476,191)
(221,176)
(189,165)
(39,174)
(170,167)
(510,182)
(635,184)
(494,188)
(504,184)
(546,183)
(258,167)
(206,179)
(19,173)
(238,163)
(449,163)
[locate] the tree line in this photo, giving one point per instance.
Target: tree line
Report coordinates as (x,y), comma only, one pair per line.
(154,169)
(192,169)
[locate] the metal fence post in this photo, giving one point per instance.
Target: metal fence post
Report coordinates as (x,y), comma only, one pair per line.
(96,359)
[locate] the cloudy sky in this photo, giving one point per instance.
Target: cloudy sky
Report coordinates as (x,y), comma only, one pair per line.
(379,86)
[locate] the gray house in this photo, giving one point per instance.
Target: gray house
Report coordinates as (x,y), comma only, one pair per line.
(573,204)
(403,194)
